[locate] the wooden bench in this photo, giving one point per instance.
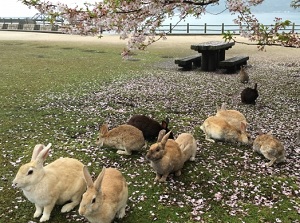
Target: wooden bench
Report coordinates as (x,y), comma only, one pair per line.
(234,63)
(187,62)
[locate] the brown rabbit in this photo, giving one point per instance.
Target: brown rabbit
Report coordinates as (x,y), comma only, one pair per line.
(188,146)
(269,146)
(165,157)
(218,128)
(125,138)
(243,75)
(106,198)
(233,117)
(149,126)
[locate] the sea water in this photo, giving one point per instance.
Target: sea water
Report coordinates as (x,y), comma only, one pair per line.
(227,18)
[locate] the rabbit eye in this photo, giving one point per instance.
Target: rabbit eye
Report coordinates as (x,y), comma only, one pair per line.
(30,172)
(94,200)
(157,149)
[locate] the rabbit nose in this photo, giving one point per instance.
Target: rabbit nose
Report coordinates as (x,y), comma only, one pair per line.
(14,185)
(147,157)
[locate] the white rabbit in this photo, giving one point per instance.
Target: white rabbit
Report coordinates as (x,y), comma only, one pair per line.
(165,156)
(269,146)
(106,198)
(217,128)
(57,183)
(125,138)
(188,146)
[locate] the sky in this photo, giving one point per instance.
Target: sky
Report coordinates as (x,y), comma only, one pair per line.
(14,8)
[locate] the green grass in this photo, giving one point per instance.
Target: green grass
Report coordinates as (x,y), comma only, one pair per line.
(44,89)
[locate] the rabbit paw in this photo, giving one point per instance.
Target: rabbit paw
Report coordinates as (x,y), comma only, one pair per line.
(68,207)
(38,212)
(271,162)
(178,173)
(157,178)
(121,213)
(192,158)
(121,152)
(44,218)
(162,180)
(210,140)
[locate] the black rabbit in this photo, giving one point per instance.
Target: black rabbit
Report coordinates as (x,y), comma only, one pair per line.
(249,95)
(149,126)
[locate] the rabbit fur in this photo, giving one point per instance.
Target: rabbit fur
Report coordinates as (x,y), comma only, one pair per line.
(217,128)
(243,75)
(188,145)
(165,157)
(125,138)
(249,95)
(56,183)
(270,147)
(233,117)
(106,198)
(149,126)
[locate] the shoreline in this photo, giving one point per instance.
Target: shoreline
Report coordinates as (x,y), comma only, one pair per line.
(286,54)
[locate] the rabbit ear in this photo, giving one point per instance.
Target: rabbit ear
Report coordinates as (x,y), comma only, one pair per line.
(164,124)
(161,134)
(43,153)
(165,139)
(167,120)
(260,132)
(218,109)
(103,129)
(99,180)
(243,127)
(37,149)
(223,106)
(87,177)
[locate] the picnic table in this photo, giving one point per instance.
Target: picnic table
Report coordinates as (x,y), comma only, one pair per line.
(212,53)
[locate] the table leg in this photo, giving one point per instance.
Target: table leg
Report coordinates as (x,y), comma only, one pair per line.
(222,55)
(209,61)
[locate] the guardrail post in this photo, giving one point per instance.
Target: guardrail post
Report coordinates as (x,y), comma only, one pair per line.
(205,28)
(187,28)
(293,27)
(222,28)
(170,28)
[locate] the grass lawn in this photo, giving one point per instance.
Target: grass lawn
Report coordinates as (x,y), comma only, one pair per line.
(60,92)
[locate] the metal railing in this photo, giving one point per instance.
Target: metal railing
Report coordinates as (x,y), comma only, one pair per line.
(39,24)
(212,29)
(29,24)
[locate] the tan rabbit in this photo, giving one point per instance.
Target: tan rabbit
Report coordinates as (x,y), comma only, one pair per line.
(243,75)
(125,138)
(233,117)
(217,128)
(188,146)
(57,183)
(269,146)
(166,157)
(106,198)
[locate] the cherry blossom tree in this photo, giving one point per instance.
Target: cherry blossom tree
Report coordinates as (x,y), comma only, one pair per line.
(295,3)
(138,20)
